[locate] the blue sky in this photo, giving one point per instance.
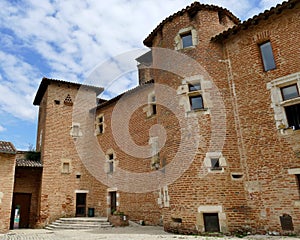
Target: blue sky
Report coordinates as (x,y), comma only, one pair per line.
(68,39)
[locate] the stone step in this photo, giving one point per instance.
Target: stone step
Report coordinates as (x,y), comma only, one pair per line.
(79,223)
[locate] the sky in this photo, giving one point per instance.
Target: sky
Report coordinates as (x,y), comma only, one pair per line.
(68,39)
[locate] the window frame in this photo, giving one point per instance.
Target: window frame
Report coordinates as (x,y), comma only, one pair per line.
(288,86)
(186,39)
(267,55)
(186,32)
(100,125)
(279,104)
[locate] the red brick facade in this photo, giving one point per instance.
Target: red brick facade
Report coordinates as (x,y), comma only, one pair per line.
(230,164)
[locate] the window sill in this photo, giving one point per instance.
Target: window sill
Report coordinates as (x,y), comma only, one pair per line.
(187,48)
(198,110)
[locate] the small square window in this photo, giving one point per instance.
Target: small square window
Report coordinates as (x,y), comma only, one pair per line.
(267,56)
(196,102)
(289,92)
(100,119)
(187,40)
(293,116)
(194,87)
(111,156)
(215,164)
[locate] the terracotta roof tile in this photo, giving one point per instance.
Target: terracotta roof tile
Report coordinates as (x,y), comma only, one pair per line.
(256,19)
(47,81)
(7,147)
(192,9)
(28,163)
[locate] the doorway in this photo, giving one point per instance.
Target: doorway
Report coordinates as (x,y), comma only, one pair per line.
(211,222)
(113,202)
(20,208)
(80,204)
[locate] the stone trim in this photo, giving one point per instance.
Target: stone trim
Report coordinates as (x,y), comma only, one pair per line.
(211,209)
(278,103)
(178,42)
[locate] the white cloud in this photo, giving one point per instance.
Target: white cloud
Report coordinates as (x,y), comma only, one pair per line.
(71,37)
(2,128)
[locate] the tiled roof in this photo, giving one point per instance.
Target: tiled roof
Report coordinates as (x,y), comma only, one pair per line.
(28,163)
(130,91)
(192,9)
(7,147)
(47,81)
(256,19)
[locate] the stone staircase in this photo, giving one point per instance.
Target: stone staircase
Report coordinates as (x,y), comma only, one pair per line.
(79,223)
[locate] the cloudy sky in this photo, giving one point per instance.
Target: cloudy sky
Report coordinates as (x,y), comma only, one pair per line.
(68,39)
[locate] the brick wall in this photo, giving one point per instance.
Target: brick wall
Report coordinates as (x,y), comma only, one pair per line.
(28,180)
(58,189)
(267,153)
(7,172)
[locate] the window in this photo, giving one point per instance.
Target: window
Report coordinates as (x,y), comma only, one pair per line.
(286,102)
(289,92)
(215,164)
(75,130)
(196,102)
(194,87)
(100,124)
(267,56)
(298,181)
(293,116)
(153,105)
(187,40)
(65,167)
(110,163)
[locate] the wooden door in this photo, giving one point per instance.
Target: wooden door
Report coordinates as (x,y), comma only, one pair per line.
(211,222)
(80,204)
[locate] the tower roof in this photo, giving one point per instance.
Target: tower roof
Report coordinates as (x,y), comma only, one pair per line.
(192,10)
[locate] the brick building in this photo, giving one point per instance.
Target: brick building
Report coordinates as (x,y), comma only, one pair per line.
(208,142)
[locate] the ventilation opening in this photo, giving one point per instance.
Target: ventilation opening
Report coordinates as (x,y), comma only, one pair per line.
(57,102)
(236,175)
(177,220)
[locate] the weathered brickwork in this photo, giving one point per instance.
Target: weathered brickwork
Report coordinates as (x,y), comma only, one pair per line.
(6,185)
(253,187)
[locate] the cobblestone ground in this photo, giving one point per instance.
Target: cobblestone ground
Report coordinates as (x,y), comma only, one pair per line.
(128,233)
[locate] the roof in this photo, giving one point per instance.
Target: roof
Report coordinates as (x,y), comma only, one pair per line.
(108,102)
(7,147)
(28,163)
(192,10)
(47,81)
(256,19)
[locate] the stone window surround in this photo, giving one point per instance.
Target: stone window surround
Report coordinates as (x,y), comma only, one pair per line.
(178,41)
(97,124)
(183,90)
(148,109)
(277,101)
(75,130)
(109,161)
(66,161)
(163,197)
(212,209)
(214,155)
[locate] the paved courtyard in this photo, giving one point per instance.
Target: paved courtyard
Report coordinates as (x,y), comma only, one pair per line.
(126,233)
